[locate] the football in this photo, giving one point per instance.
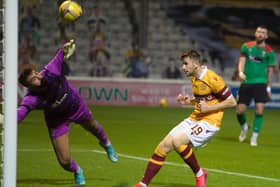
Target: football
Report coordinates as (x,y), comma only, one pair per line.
(70,11)
(163,102)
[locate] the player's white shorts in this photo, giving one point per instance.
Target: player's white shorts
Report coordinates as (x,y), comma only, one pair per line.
(198,132)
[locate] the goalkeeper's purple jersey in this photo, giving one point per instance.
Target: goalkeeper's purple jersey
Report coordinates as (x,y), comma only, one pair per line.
(60,100)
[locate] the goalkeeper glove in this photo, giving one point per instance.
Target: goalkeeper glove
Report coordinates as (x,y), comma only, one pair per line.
(69,49)
(1,118)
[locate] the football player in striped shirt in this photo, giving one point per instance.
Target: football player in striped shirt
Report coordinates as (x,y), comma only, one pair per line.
(210,97)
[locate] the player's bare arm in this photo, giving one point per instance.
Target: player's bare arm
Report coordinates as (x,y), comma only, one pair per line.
(241,63)
(227,103)
(269,80)
(185,99)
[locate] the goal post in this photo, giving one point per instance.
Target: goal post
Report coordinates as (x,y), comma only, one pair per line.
(10,53)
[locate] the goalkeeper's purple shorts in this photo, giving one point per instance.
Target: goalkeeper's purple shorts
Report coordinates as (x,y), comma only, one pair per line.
(58,125)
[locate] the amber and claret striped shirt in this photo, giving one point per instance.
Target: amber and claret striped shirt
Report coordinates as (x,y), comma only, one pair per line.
(212,89)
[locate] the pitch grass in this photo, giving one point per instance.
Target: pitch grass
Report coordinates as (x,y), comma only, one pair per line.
(136,131)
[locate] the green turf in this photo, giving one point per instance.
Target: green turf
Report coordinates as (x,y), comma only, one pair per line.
(135,131)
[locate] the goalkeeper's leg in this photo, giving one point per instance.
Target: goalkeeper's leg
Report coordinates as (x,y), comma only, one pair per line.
(94,127)
(62,151)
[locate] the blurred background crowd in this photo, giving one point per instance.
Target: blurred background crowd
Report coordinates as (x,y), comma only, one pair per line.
(144,38)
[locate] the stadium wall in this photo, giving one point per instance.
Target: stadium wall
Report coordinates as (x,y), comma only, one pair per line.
(140,92)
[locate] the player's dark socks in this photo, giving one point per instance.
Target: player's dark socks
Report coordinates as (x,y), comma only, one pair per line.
(258,120)
(241,119)
(71,166)
(154,165)
(188,156)
(101,135)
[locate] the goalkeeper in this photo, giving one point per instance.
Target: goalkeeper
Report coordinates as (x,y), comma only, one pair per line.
(49,91)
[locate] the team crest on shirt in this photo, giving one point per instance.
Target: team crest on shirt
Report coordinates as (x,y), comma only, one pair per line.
(202,87)
(256,59)
(59,101)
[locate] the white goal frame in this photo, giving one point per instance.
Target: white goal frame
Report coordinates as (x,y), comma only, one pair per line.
(10,90)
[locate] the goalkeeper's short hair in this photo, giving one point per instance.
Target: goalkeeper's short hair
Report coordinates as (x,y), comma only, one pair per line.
(22,79)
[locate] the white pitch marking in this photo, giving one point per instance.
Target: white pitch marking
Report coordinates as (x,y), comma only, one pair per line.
(166,163)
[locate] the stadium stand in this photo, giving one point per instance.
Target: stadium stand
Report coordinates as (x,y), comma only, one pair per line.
(216,28)
(220,27)
(165,39)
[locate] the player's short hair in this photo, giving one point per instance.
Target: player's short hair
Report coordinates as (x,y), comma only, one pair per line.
(262,26)
(22,79)
(192,54)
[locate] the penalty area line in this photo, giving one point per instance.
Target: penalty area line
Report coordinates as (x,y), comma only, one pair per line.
(165,163)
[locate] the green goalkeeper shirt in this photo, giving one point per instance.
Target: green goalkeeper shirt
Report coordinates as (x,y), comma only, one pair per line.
(257,61)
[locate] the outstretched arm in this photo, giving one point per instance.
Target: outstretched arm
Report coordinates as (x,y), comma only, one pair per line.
(22,112)
(28,103)
(63,54)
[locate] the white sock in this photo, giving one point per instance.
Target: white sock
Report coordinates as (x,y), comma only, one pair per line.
(255,135)
(245,127)
(143,184)
(199,173)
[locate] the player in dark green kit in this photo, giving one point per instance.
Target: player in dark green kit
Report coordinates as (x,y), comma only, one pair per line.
(255,68)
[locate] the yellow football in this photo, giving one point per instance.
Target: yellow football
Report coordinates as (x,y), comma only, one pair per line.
(163,102)
(70,11)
